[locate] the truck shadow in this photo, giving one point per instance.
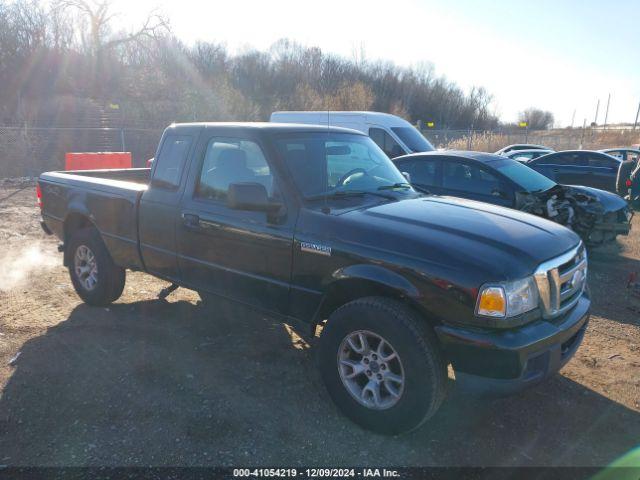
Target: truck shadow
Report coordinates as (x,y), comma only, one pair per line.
(155,383)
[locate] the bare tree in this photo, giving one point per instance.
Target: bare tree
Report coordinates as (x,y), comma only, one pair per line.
(537,119)
(98,14)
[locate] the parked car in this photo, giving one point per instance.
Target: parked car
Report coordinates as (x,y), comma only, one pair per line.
(392,134)
(596,215)
(522,146)
(318,228)
(579,167)
(525,155)
(623,153)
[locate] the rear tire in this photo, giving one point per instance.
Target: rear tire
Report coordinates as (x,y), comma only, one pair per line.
(387,396)
(96,278)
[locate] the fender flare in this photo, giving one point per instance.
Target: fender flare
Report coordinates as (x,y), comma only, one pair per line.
(84,218)
(355,281)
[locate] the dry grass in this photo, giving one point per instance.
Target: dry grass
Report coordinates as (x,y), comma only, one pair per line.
(561,139)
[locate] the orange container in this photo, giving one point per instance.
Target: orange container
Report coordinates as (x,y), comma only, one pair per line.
(97,160)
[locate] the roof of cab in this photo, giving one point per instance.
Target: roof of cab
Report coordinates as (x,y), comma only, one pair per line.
(262,126)
(386,119)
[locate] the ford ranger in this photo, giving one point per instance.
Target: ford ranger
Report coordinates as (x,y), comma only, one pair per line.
(317,227)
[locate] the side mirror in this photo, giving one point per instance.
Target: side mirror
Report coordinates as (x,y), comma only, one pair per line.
(407,175)
(250,196)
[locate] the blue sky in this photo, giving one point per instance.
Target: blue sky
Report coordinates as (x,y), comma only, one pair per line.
(556,55)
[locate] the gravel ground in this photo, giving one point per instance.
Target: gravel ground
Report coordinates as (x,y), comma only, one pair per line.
(150,382)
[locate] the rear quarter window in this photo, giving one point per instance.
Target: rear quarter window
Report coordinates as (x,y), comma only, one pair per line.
(169,163)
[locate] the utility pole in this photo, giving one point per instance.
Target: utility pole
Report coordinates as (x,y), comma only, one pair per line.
(606,115)
(635,124)
(573,117)
(584,124)
(597,110)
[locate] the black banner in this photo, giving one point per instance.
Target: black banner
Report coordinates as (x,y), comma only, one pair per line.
(391,473)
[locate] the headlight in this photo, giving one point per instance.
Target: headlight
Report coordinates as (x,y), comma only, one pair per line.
(508,299)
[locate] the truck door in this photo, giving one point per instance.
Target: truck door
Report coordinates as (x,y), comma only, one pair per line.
(239,254)
(158,209)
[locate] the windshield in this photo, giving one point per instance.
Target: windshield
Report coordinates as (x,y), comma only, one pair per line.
(525,177)
(324,163)
(413,139)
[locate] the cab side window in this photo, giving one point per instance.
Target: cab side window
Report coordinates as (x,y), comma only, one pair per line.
(386,142)
(232,160)
(170,162)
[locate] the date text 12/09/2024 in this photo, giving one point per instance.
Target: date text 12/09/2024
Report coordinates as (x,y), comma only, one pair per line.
(316,472)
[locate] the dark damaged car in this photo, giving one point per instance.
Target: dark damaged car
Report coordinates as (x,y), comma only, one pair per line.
(596,215)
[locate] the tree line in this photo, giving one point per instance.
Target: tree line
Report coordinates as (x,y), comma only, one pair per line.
(61,58)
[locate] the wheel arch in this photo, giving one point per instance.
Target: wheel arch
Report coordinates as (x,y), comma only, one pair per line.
(359,281)
(74,221)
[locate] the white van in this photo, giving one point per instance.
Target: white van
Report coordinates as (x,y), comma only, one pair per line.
(392,134)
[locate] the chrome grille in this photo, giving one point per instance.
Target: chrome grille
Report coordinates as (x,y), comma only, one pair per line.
(561,281)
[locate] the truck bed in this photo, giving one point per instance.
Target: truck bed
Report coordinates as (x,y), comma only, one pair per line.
(140,176)
(109,198)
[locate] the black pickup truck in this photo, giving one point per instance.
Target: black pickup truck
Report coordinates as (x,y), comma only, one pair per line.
(317,227)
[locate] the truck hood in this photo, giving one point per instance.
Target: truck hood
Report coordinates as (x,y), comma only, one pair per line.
(498,243)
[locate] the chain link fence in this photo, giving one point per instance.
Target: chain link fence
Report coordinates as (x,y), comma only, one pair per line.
(27,152)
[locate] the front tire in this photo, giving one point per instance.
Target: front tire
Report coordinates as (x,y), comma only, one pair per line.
(96,278)
(382,365)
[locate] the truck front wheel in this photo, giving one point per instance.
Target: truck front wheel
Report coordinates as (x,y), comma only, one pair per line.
(382,365)
(96,279)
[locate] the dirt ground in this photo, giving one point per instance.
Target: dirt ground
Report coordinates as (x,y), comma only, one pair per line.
(148,382)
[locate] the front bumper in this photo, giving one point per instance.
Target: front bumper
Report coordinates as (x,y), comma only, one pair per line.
(505,361)
(616,223)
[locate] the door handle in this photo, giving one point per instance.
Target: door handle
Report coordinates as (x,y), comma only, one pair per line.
(190,220)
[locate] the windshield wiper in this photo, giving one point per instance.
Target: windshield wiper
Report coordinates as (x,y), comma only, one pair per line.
(348,193)
(394,186)
(420,188)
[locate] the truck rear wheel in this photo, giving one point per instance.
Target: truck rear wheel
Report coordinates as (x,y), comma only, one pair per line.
(382,365)
(96,279)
